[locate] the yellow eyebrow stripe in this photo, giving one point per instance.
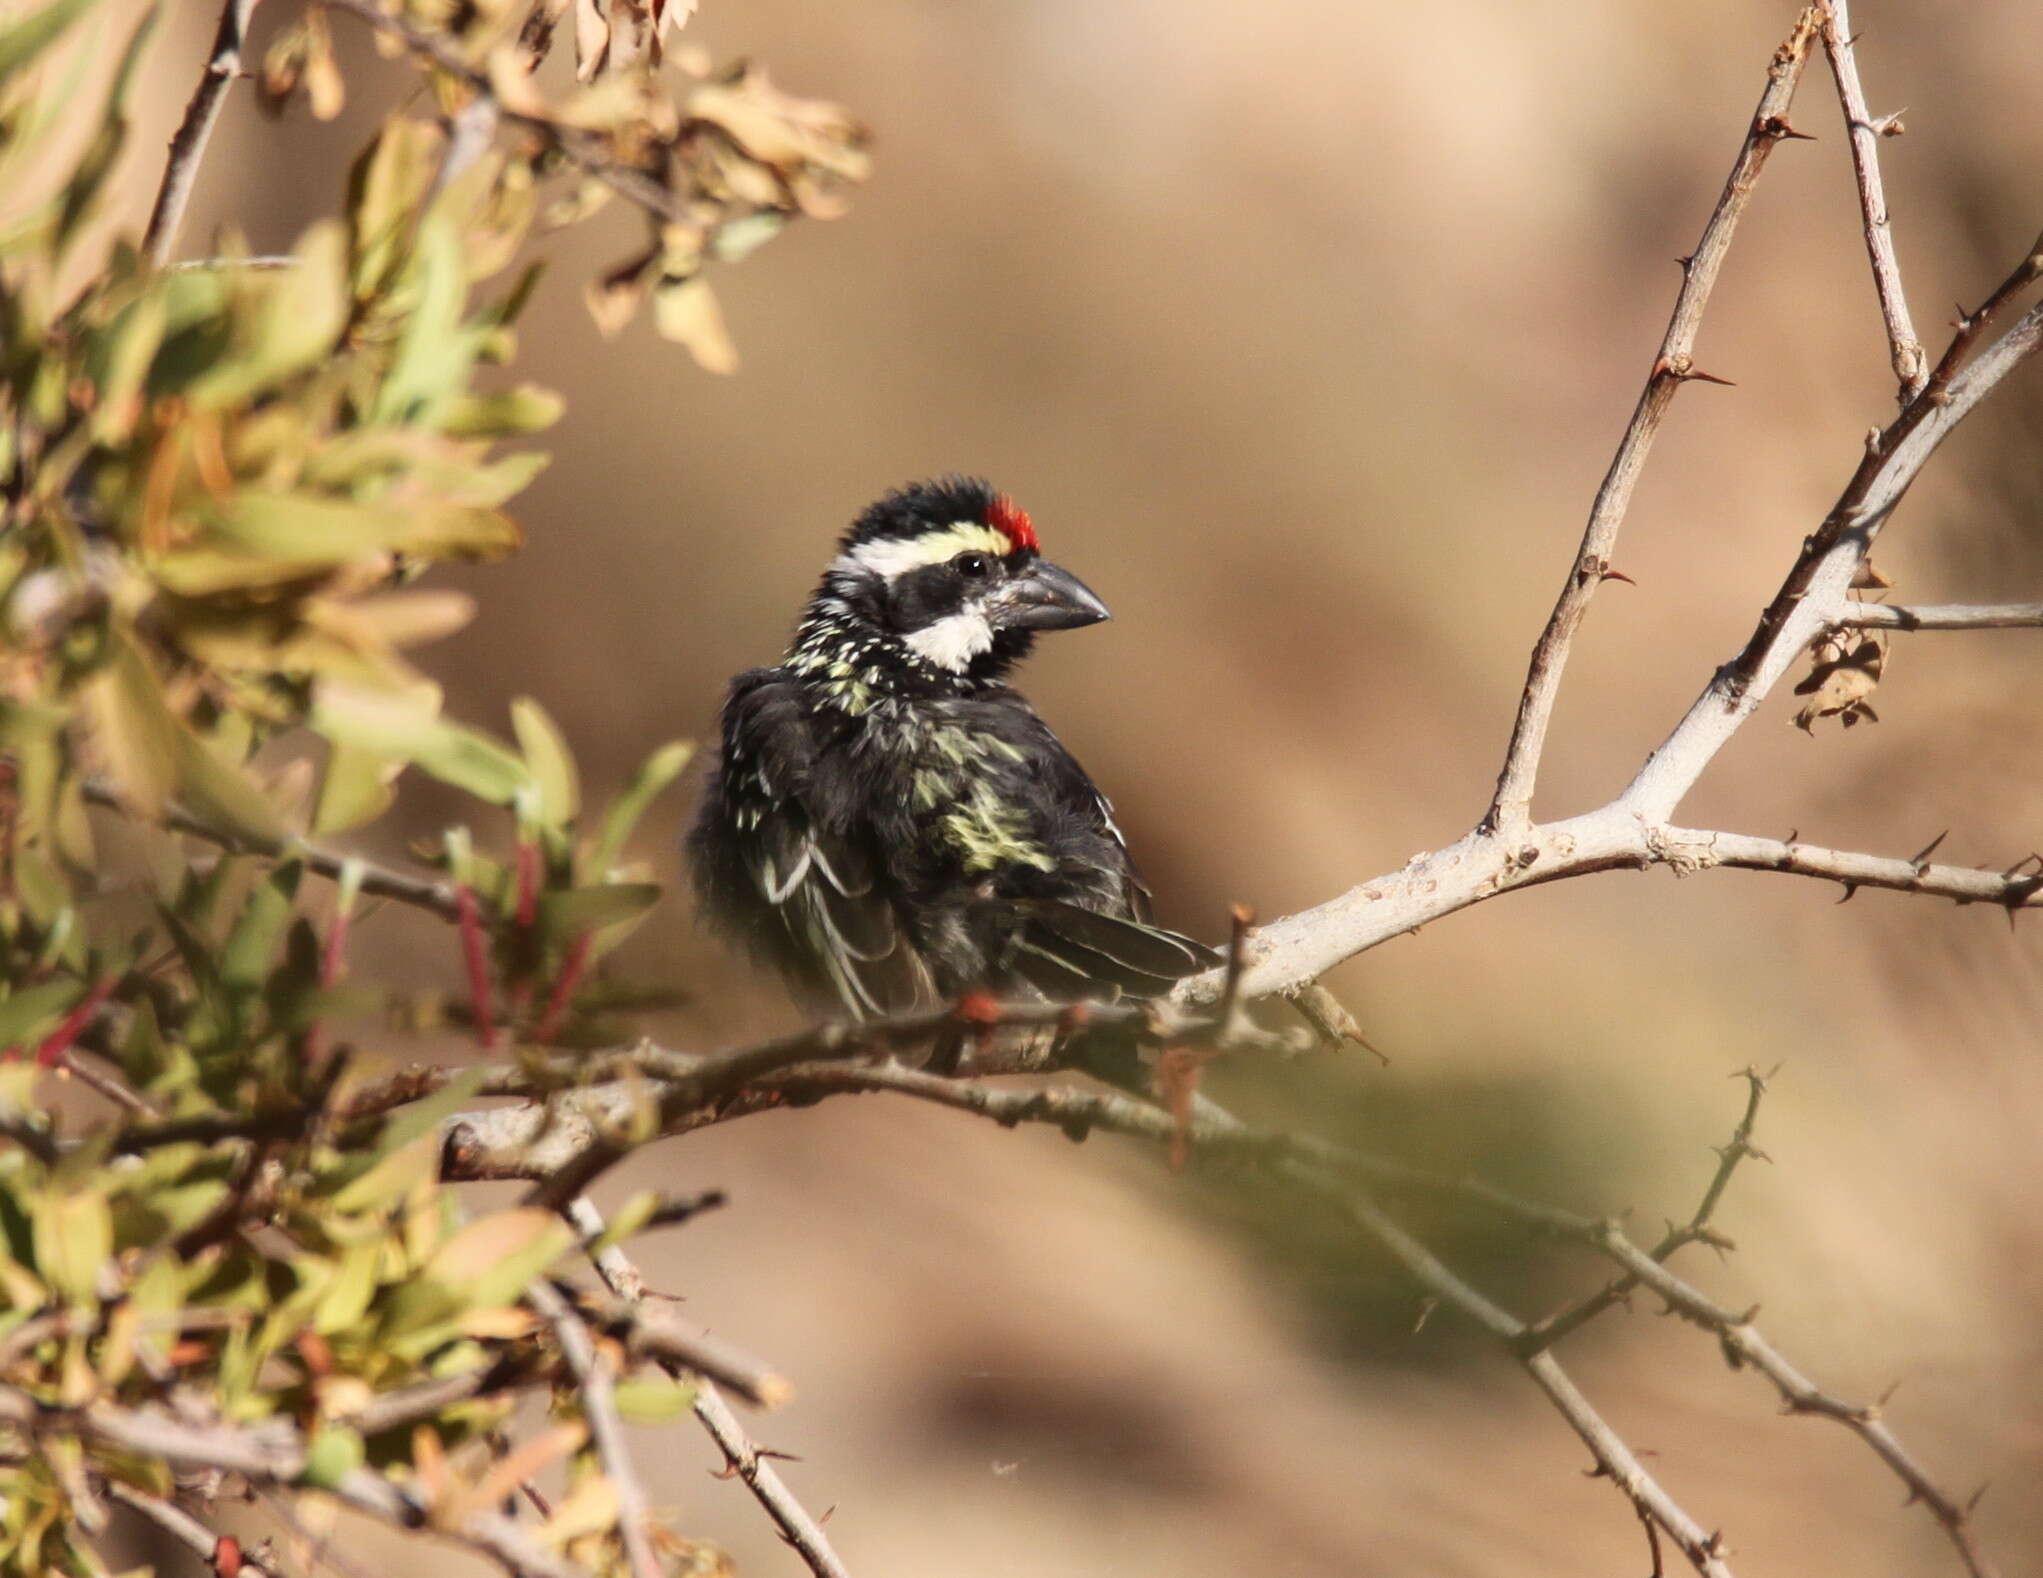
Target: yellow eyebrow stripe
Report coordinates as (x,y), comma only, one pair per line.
(894,556)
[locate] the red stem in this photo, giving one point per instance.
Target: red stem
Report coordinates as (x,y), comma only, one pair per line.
(564,985)
(332,961)
(475,956)
(58,1041)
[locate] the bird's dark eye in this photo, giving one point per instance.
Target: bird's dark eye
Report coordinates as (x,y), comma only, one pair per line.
(972,565)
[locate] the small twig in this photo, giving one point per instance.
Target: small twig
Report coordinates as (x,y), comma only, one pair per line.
(596,1389)
(1614,1460)
(742,1455)
(1672,366)
(748,1462)
(188,145)
(1544,1333)
(1943,616)
(1905,350)
(653,1331)
(2012,889)
(381,881)
(183,1527)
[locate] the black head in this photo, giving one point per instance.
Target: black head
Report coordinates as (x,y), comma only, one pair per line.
(951,571)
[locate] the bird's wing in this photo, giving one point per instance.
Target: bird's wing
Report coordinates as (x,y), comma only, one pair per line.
(810,883)
(1069,953)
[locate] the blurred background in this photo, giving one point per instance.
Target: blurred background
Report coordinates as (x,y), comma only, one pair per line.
(1305,331)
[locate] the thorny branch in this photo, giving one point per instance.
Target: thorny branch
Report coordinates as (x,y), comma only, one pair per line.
(1672,366)
(743,1457)
(1904,349)
(188,145)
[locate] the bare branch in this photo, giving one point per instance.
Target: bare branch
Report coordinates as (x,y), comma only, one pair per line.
(1614,1460)
(2012,889)
(181,1526)
(742,1456)
(1672,366)
(1548,1330)
(1905,350)
(188,144)
(654,1331)
(1943,616)
(596,1389)
(1324,1169)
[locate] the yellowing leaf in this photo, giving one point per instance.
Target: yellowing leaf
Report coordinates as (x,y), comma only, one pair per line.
(548,757)
(686,311)
(73,1237)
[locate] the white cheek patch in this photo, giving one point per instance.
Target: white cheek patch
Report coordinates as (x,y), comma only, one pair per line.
(953,641)
(896,556)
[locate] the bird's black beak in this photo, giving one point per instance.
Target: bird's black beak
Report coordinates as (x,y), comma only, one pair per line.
(1044,597)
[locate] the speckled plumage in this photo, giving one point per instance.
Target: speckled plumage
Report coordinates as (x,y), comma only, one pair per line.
(889,822)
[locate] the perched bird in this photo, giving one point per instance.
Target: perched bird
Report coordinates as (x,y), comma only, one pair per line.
(889,823)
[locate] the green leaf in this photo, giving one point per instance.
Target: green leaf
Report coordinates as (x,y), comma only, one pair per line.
(506,413)
(28,38)
(660,770)
(652,1400)
(384,187)
(565,916)
(422,1117)
(73,1239)
(355,789)
(551,764)
(346,1298)
(302,311)
(134,728)
(434,354)
(332,1455)
(33,1009)
(310,532)
(220,796)
(245,960)
(387,1179)
(403,726)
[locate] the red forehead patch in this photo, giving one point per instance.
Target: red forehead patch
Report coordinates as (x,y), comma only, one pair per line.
(1011,521)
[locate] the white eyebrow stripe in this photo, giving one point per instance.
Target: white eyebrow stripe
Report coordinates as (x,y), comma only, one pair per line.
(895,556)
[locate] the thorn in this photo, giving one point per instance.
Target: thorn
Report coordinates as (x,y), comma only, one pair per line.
(1972,1503)
(1779,128)
(1794,834)
(1922,856)
(2025,860)
(1964,318)
(1696,375)
(1887,1396)
(1850,891)
(1426,1309)
(1616,575)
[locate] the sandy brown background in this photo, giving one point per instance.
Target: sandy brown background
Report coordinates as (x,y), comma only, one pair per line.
(1305,331)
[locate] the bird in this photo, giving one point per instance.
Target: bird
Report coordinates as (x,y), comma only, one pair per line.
(888,822)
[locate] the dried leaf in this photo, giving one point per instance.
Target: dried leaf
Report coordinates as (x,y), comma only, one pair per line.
(686,311)
(1845,670)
